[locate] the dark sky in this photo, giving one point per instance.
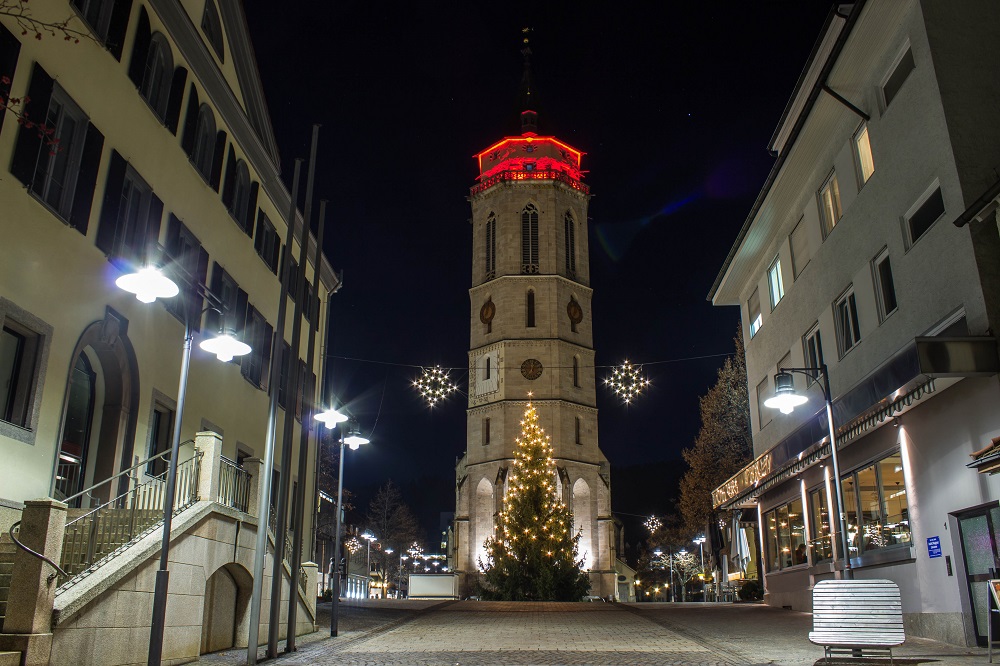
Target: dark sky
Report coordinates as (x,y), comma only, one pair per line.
(673,104)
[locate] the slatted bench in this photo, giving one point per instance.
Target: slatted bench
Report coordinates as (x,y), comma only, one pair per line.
(857,616)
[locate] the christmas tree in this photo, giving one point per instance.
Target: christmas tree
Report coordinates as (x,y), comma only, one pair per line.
(533,556)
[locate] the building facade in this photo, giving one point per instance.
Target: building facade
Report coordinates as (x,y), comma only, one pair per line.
(531,335)
(158,150)
(873,250)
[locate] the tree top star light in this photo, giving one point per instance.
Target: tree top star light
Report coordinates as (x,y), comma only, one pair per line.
(627,381)
(434,385)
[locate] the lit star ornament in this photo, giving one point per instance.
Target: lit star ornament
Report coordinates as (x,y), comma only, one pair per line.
(627,381)
(434,385)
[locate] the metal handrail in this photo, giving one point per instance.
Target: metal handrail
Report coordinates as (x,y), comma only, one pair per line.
(234,485)
(16,527)
(122,473)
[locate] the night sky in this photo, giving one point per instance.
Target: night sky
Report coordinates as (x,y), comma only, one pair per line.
(673,104)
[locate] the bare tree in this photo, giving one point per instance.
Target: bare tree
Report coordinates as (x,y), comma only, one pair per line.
(36,27)
(393,524)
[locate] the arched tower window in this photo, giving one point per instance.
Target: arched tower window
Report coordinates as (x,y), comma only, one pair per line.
(155,86)
(491,246)
(529,318)
(578,440)
(529,239)
(570,235)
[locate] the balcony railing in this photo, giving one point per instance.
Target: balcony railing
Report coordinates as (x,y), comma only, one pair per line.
(528,175)
(234,485)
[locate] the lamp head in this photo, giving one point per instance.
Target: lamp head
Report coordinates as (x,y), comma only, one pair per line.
(331,417)
(354,440)
(785,397)
(225,345)
(148,284)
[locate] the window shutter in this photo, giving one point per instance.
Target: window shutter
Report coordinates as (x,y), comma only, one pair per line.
(190,122)
(265,359)
(238,319)
(172,241)
(230,181)
(28,142)
(153,220)
(251,207)
(220,149)
(10,47)
(196,302)
(118,26)
(175,99)
(140,49)
(112,203)
(212,317)
(86,179)
(258,237)
(316,306)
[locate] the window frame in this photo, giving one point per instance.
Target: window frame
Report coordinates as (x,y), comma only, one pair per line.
(847,304)
(829,217)
(819,531)
(491,246)
(266,242)
(775,562)
(754,315)
(879,283)
(569,232)
(799,231)
(203,151)
(763,392)
(893,68)
(71,151)
(157,98)
(933,192)
(211,25)
(100,22)
(812,350)
(860,155)
(31,371)
(529,240)
(774,279)
(860,539)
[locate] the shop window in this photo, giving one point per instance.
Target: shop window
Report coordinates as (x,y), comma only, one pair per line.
(785,539)
(821,541)
(876,506)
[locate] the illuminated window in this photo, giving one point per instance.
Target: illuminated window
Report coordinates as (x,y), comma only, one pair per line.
(529,239)
(885,291)
(821,543)
(845,311)
(863,151)
(876,506)
(491,247)
(775,283)
(829,204)
(785,536)
(753,312)
(894,82)
(570,237)
(923,215)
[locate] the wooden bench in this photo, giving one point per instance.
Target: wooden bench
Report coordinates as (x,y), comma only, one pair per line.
(853,616)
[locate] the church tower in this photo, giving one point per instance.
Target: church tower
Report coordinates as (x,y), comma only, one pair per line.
(531,333)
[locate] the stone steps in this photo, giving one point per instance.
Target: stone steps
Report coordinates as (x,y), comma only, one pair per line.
(7,550)
(10,659)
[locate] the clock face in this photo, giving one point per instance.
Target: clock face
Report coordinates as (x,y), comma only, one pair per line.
(574,311)
(487,312)
(531,368)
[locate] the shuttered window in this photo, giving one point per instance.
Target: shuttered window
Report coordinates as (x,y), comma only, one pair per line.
(529,239)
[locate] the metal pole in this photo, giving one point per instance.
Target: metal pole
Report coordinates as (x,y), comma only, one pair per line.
(162,575)
(335,607)
(264,501)
(835,460)
(298,502)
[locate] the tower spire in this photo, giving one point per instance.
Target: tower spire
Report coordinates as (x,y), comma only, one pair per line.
(529,117)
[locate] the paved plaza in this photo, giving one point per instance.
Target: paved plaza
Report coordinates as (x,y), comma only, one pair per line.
(474,633)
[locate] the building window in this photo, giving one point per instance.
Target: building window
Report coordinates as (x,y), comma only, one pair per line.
(529,319)
(812,348)
(97,14)
(876,508)
(190,260)
(239,208)
(160,428)
(491,247)
(529,239)
(897,77)
(863,152)
(829,204)
(763,412)
(845,312)
(19,349)
(821,544)
(56,170)
(204,142)
(156,76)
(486,431)
(885,292)
(489,367)
(799,243)
(569,225)
(785,536)
(266,243)
(923,215)
(753,313)
(576,371)
(255,366)
(578,438)
(774,282)
(212,26)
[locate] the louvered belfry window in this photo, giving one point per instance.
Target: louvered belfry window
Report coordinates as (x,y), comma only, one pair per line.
(529,239)
(491,247)
(570,244)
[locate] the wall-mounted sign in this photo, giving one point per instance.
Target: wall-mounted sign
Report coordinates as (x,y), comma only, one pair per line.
(933,546)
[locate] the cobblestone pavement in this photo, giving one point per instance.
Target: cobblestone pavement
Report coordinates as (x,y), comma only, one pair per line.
(472,633)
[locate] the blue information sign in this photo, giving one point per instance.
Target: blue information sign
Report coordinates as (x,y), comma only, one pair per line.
(933,546)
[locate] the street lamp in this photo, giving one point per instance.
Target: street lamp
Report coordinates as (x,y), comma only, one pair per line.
(700,540)
(369,537)
(148,284)
(353,439)
(385,573)
(786,399)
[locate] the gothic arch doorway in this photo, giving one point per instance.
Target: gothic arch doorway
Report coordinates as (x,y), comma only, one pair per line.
(99,412)
(225,618)
(582,522)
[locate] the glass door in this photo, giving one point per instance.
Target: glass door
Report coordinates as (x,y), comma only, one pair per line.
(981,550)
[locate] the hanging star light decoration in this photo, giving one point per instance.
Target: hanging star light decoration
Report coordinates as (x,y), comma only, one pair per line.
(434,385)
(353,545)
(653,524)
(627,381)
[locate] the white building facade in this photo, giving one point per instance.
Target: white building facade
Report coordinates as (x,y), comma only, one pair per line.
(873,249)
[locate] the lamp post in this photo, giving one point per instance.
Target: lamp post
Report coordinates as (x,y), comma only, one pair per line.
(354,440)
(369,537)
(385,573)
(399,576)
(700,540)
(148,284)
(786,399)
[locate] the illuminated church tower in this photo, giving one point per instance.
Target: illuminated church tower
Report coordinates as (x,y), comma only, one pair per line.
(531,331)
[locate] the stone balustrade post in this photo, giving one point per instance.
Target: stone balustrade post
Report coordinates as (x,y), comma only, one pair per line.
(28,625)
(312,585)
(253,467)
(210,446)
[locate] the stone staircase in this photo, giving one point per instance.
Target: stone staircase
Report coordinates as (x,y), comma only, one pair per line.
(89,539)
(7,549)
